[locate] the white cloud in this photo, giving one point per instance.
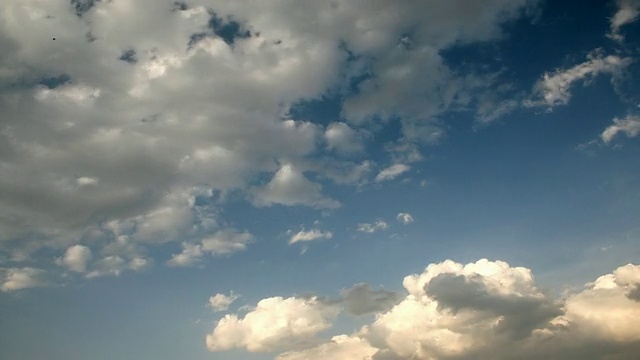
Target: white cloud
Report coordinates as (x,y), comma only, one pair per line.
(221,302)
(310,235)
(76,258)
(275,323)
(554,88)
(343,139)
(340,347)
(371,228)
(90,139)
(628,11)
(227,241)
(290,187)
(490,310)
(630,126)
(115,265)
(608,307)
(223,242)
(191,255)
(404,218)
(392,172)
(12,279)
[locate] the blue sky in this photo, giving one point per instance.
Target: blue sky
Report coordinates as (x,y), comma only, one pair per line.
(319,180)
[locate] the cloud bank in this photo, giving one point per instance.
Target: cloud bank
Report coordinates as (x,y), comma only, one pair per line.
(486,309)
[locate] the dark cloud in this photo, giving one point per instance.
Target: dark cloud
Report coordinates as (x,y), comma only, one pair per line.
(519,315)
(361,299)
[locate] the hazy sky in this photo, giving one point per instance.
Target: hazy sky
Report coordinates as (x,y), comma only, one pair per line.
(340,179)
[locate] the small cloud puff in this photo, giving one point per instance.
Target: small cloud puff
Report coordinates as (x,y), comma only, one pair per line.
(371,228)
(221,302)
(630,126)
(13,279)
(404,218)
(310,235)
(392,172)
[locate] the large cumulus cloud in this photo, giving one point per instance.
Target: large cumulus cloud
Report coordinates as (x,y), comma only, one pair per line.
(486,309)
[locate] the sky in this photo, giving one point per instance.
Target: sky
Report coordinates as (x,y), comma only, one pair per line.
(435,179)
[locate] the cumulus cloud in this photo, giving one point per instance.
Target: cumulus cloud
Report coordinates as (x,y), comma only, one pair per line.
(76,258)
(486,309)
(113,121)
(392,172)
(404,218)
(310,235)
(343,139)
(115,265)
(12,279)
(221,302)
(290,187)
(627,12)
(191,255)
(555,88)
(340,347)
(371,228)
(223,242)
(275,323)
(630,126)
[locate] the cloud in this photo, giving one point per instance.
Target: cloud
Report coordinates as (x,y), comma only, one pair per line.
(13,279)
(290,187)
(360,299)
(223,242)
(275,323)
(630,126)
(486,309)
(191,255)
(76,258)
(221,302)
(310,235)
(128,131)
(340,347)
(371,228)
(628,11)
(226,242)
(392,172)
(554,88)
(115,265)
(404,218)
(343,139)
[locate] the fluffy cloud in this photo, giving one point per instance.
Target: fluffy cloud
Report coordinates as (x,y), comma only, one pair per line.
(290,187)
(343,139)
(630,126)
(115,265)
(628,11)
(340,347)
(114,122)
(221,302)
(404,218)
(76,258)
(223,242)
(486,309)
(371,228)
(191,255)
(310,235)
(392,172)
(554,88)
(275,323)
(12,279)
